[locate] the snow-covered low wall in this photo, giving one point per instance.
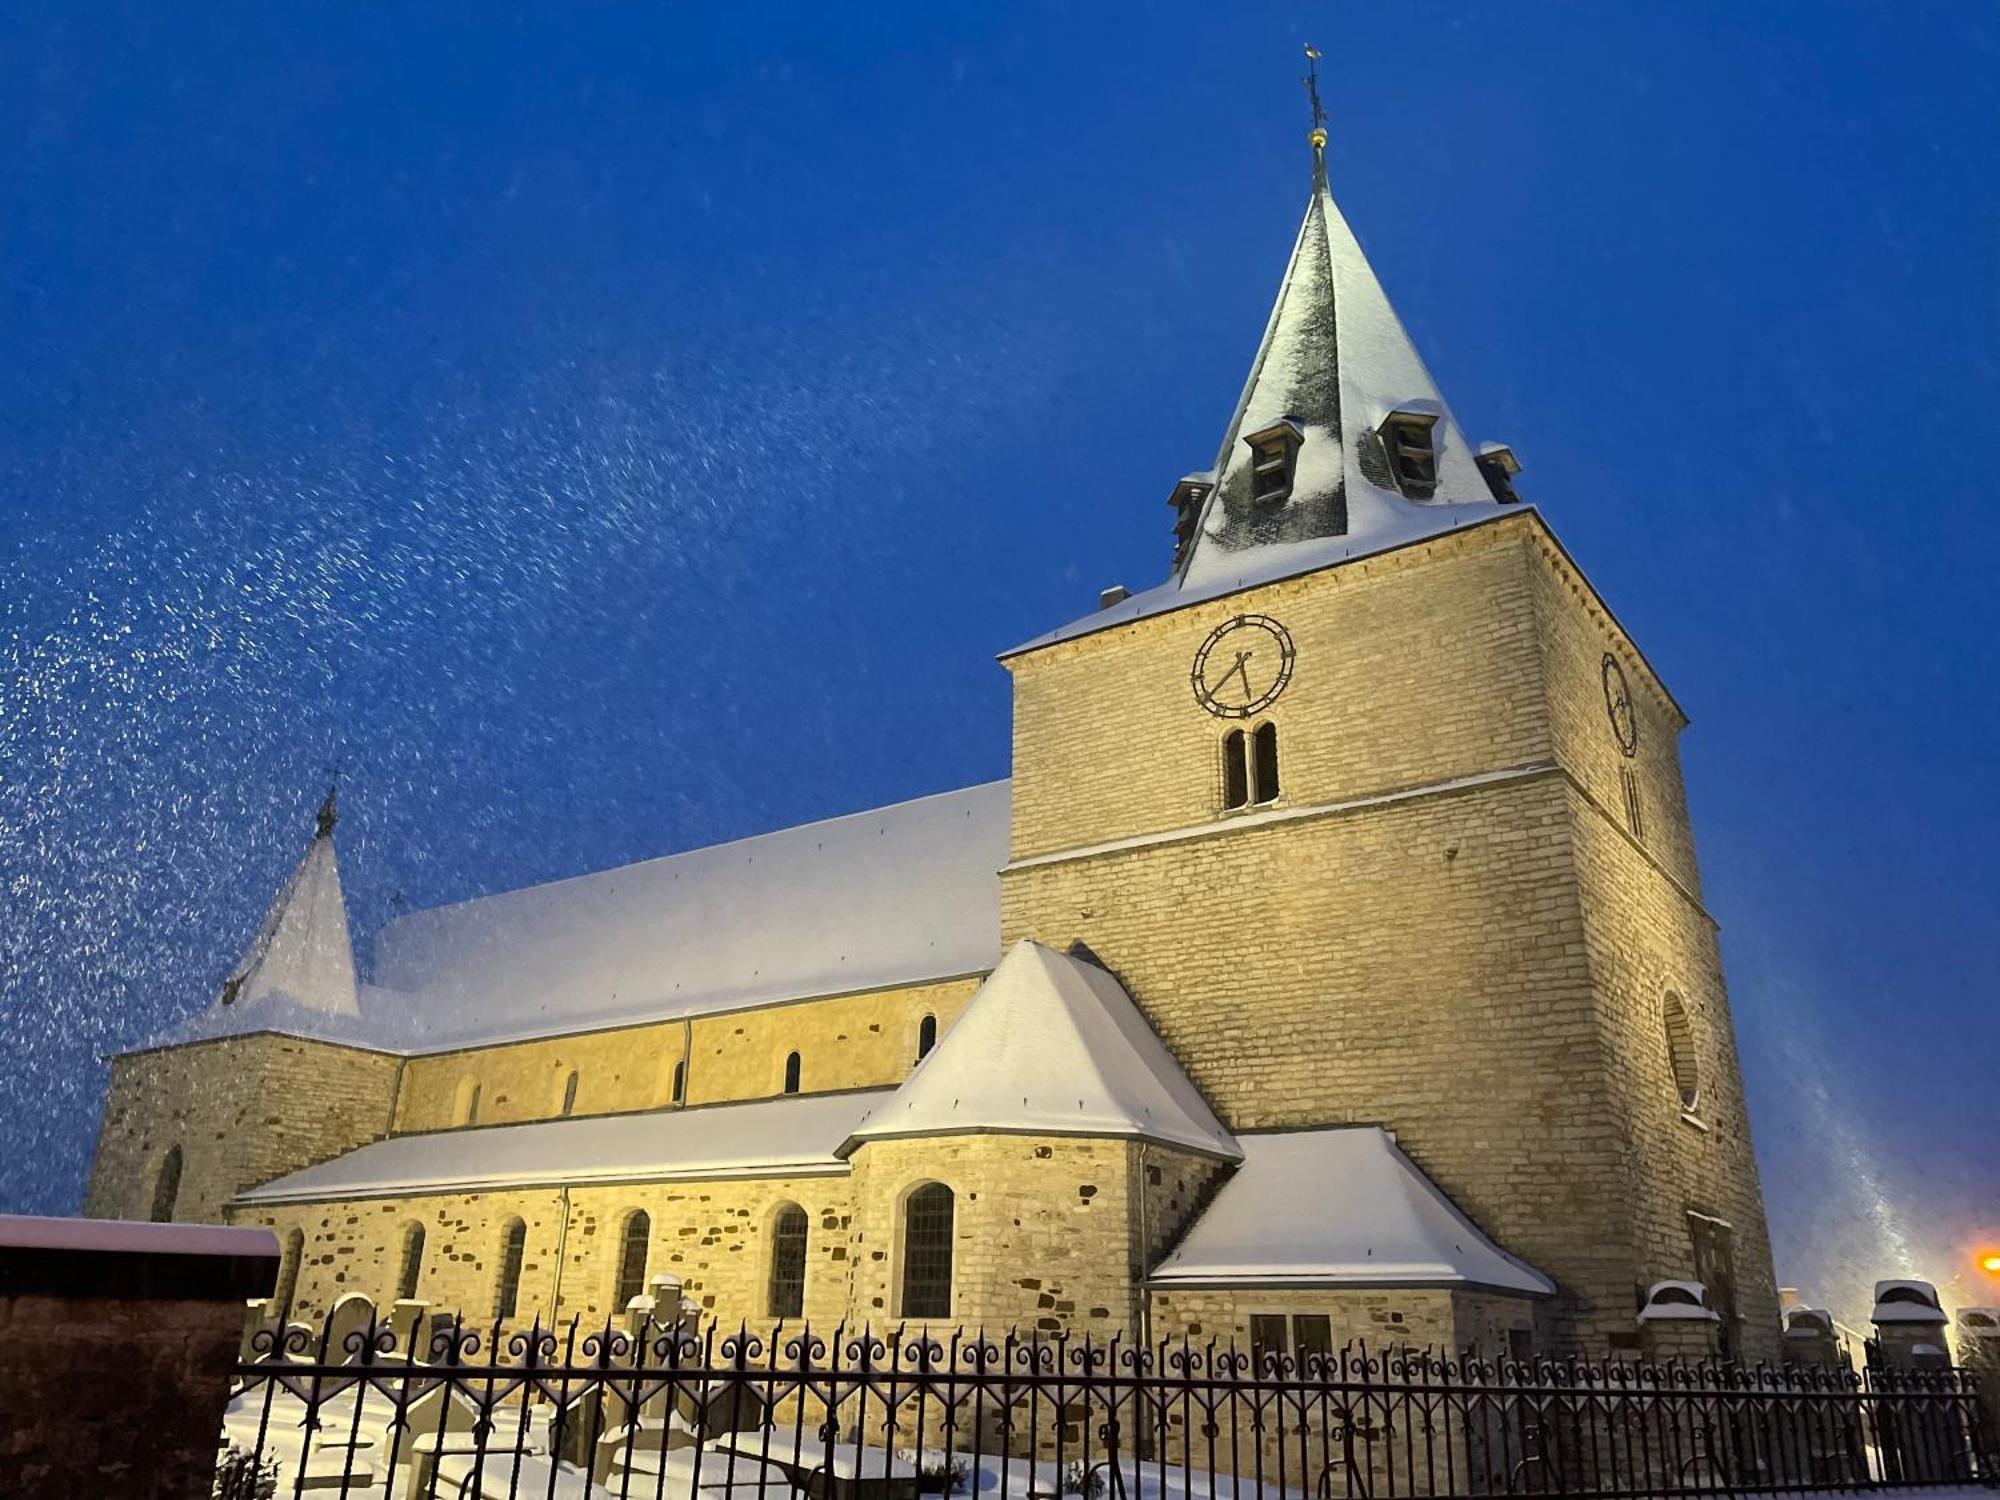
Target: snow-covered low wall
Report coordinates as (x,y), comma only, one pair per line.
(116,1347)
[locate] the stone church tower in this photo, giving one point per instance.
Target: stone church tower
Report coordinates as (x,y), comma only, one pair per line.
(1333,966)
(1377,810)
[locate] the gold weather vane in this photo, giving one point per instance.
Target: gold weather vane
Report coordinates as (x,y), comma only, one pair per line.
(1311,81)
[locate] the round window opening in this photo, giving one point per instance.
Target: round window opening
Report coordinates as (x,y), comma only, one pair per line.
(1680,1053)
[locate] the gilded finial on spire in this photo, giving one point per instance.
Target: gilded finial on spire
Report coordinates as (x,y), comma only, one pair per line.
(1311,81)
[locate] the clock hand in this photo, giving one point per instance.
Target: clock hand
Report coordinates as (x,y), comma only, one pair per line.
(1238,671)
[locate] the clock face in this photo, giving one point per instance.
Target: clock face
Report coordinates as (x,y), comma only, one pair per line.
(1618,704)
(1242,667)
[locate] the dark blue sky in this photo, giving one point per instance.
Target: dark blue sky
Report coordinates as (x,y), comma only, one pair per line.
(609,429)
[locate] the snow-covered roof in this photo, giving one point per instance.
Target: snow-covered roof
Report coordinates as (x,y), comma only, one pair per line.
(895,895)
(1335,361)
(1050,1045)
(301,958)
(1338,1207)
(792,1136)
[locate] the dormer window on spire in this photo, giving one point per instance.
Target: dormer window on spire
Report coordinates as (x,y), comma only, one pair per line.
(1498,466)
(1187,500)
(1407,442)
(1274,458)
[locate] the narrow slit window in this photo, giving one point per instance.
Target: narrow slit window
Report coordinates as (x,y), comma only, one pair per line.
(680,1082)
(788,1262)
(792,1073)
(513,1247)
(413,1263)
(1264,760)
(167,1187)
(633,1246)
(926,1037)
(1235,770)
(1635,813)
(569,1093)
(927,1231)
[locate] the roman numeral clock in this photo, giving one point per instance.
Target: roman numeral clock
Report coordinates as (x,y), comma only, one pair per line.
(1242,667)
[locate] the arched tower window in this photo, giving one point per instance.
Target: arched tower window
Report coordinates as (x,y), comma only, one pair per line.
(792,1073)
(788,1262)
(569,1092)
(1680,1052)
(927,1228)
(1264,763)
(167,1187)
(926,1037)
(413,1262)
(513,1249)
(633,1245)
(288,1274)
(1235,770)
(465,1102)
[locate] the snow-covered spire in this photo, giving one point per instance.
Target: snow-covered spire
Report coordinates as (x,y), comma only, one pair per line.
(301,954)
(1311,452)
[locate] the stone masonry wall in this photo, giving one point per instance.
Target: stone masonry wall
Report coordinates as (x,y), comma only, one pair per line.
(847,1041)
(1648,936)
(242,1110)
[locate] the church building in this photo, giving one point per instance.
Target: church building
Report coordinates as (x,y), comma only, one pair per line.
(1333,965)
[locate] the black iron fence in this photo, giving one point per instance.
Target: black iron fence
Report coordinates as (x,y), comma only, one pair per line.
(656,1412)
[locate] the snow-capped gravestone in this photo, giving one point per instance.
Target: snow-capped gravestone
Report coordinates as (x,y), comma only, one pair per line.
(1909,1325)
(120,1339)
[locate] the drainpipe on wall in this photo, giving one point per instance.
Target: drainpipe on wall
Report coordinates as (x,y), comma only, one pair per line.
(687,1060)
(562,1243)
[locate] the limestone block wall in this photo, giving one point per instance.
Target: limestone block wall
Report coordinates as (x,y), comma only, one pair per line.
(242,1110)
(861,1040)
(1647,941)
(1411,668)
(1420,966)
(715,1236)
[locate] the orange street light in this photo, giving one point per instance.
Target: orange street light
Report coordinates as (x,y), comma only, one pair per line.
(1990,1261)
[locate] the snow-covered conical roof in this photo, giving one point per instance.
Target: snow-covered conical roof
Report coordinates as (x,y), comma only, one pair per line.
(301,955)
(1050,1044)
(1336,360)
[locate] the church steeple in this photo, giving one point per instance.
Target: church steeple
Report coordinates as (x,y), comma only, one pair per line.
(302,954)
(1340,431)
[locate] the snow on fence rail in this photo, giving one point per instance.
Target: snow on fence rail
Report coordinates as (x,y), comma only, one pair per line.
(655,1412)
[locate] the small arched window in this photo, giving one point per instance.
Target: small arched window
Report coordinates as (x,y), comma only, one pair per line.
(792,1073)
(288,1274)
(167,1187)
(633,1245)
(1235,770)
(569,1092)
(413,1262)
(465,1102)
(927,1230)
(513,1249)
(1680,1052)
(788,1262)
(926,1037)
(1264,763)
